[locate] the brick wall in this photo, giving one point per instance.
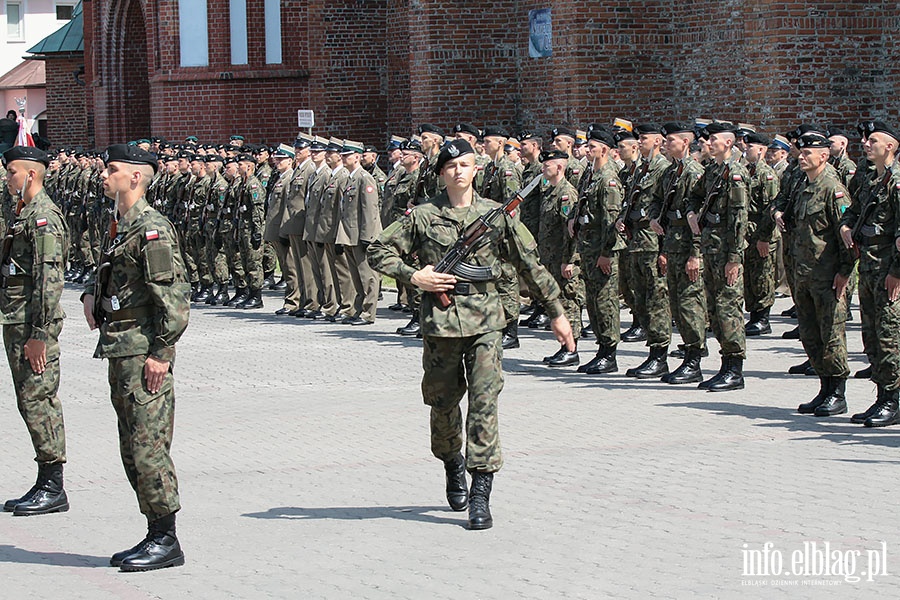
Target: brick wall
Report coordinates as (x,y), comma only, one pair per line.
(371,68)
(67,119)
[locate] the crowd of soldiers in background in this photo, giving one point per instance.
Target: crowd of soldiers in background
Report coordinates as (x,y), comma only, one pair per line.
(310,209)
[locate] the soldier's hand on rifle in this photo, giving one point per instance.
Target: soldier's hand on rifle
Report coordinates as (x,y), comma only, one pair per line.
(567,270)
(656,227)
(663,263)
(620,226)
(847,237)
(779,220)
(763,248)
(431,281)
(88,306)
(562,329)
(693,268)
(692,222)
(36,354)
(732,270)
(604,263)
(892,285)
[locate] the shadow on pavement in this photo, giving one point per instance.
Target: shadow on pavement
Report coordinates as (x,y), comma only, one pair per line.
(356,513)
(13,554)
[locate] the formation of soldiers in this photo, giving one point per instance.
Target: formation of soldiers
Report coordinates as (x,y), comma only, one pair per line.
(688,224)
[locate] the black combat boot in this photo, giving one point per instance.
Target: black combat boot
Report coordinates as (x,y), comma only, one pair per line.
(50,497)
(793,334)
(801,368)
(480,501)
(597,358)
(635,333)
(835,403)
(538,320)
(10,505)
(562,350)
(715,378)
(413,327)
(269,280)
(863,373)
(563,358)
(457,492)
(510,335)
(759,323)
(280,285)
(605,364)
(732,378)
(240,295)
(587,331)
(654,367)
(791,312)
(85,275)
(808,408)
(254,301)
(688,371)
(861,417)
(158,550)
(204,294)
(888,413)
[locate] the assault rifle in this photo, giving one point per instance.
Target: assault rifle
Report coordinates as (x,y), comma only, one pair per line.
(635,191)
(866,212)
(468,241)
(104,270)
(712,195)
(8,239)
(670,193)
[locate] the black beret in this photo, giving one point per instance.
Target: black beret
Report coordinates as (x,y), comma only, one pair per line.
(648,128)
(556,131)
(719,127)
(882,127)
(813,140)
(554,155)
(246,158)
(676,127)
(129,154)
(804,129)
(466,128)
(594,126)
(753,137)
(229,160)
(833,131)
(411,146)
(623,134)
(452,150)
(603,136)
(213,158)
(863,128)
(429,128)
(370,148)
(26,153)
(184,154)
(528,135)
(495,132)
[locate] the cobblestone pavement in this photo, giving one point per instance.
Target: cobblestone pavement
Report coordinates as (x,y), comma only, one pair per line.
(302,451)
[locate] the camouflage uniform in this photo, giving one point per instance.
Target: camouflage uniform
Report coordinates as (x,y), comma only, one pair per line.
(556,248)
(462,342)
(597,236)
(723,239)
(148,285)
(251,206)
(228,230)
(31,310)
(501,182)
(214,241)
(530,208)
(759,272)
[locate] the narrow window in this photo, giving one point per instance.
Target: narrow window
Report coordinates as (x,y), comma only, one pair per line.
(192,33)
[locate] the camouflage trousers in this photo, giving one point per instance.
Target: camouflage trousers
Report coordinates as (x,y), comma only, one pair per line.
(602,300)
(454,366)
(145,422)
(724,305)
(235,260)
(195,247)
(216,258)
(882,328)
(651,298)
(759,279)
(188,255)
(84,253)
(625,289)
(572,298)
(36,394)
(508,288)
(252,261)
(270,257)
(687,300)
(821,318)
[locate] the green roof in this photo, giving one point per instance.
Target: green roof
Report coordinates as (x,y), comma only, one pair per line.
(68,38)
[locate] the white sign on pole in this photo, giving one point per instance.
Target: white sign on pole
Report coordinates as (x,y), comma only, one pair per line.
(306,118)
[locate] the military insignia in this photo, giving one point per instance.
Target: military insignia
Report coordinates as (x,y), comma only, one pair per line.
(576,171)
(565,198)
(369,189)
(151,235)
(41,222)
(612,183)
(565,210)
(453,151)
(769,177)
(479,168)
(839,194)
(509,173)
(853,172)
(736,178)
(253,186)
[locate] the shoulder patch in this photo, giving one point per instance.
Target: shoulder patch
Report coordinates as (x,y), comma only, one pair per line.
(565,198)
(839,194)
(736,178)
(369,189)
(42,222)
(770,177)
(152,234)
(576,171)
(851,172)
(508,173)
(612,183)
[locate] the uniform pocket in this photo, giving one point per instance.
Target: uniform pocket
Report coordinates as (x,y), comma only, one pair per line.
(143,396)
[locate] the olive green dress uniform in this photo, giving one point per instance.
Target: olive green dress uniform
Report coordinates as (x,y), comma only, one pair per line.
(326,300)
(31,310)
(722,240)
(462,342)
(651,300)
(301,292)
(359,225)
(818,254)
(759,272)
(251,223)
(275,210)
(596,216)
(337,286)
(556,247)
(687,298)
(148,283)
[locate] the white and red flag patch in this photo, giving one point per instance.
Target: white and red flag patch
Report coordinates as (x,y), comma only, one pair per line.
(41,222)
(152,235)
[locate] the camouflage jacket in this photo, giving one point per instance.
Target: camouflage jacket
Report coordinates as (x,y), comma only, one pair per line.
(431,230)
(763,186)
(815,240)
(597,212)
(845,167)
(641,191)
(877,234)
(501,180)
(402,196)
(147,279)
(555,246)
(724,227)
(432,184)
(251,207)
(677,237)
(387,200)
(215,200)
(574,171)
(229,214)
(35,265)
(530,208)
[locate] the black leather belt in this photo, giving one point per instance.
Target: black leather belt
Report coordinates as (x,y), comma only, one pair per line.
(467,288)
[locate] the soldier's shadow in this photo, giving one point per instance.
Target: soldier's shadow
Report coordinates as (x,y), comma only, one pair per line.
(357,513)
(14,554)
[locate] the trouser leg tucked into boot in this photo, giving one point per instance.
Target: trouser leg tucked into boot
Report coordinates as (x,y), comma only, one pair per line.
(732,378)
(835,403)
(688,371)
(10,505)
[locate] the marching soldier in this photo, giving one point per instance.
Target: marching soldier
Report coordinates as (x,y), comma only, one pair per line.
(280,184)
(250,225)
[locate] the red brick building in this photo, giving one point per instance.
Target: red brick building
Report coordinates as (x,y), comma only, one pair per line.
(370,67)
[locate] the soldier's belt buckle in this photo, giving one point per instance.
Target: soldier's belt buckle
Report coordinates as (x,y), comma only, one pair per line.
(678,214)
(114,302)
(462,288)
(11,270)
